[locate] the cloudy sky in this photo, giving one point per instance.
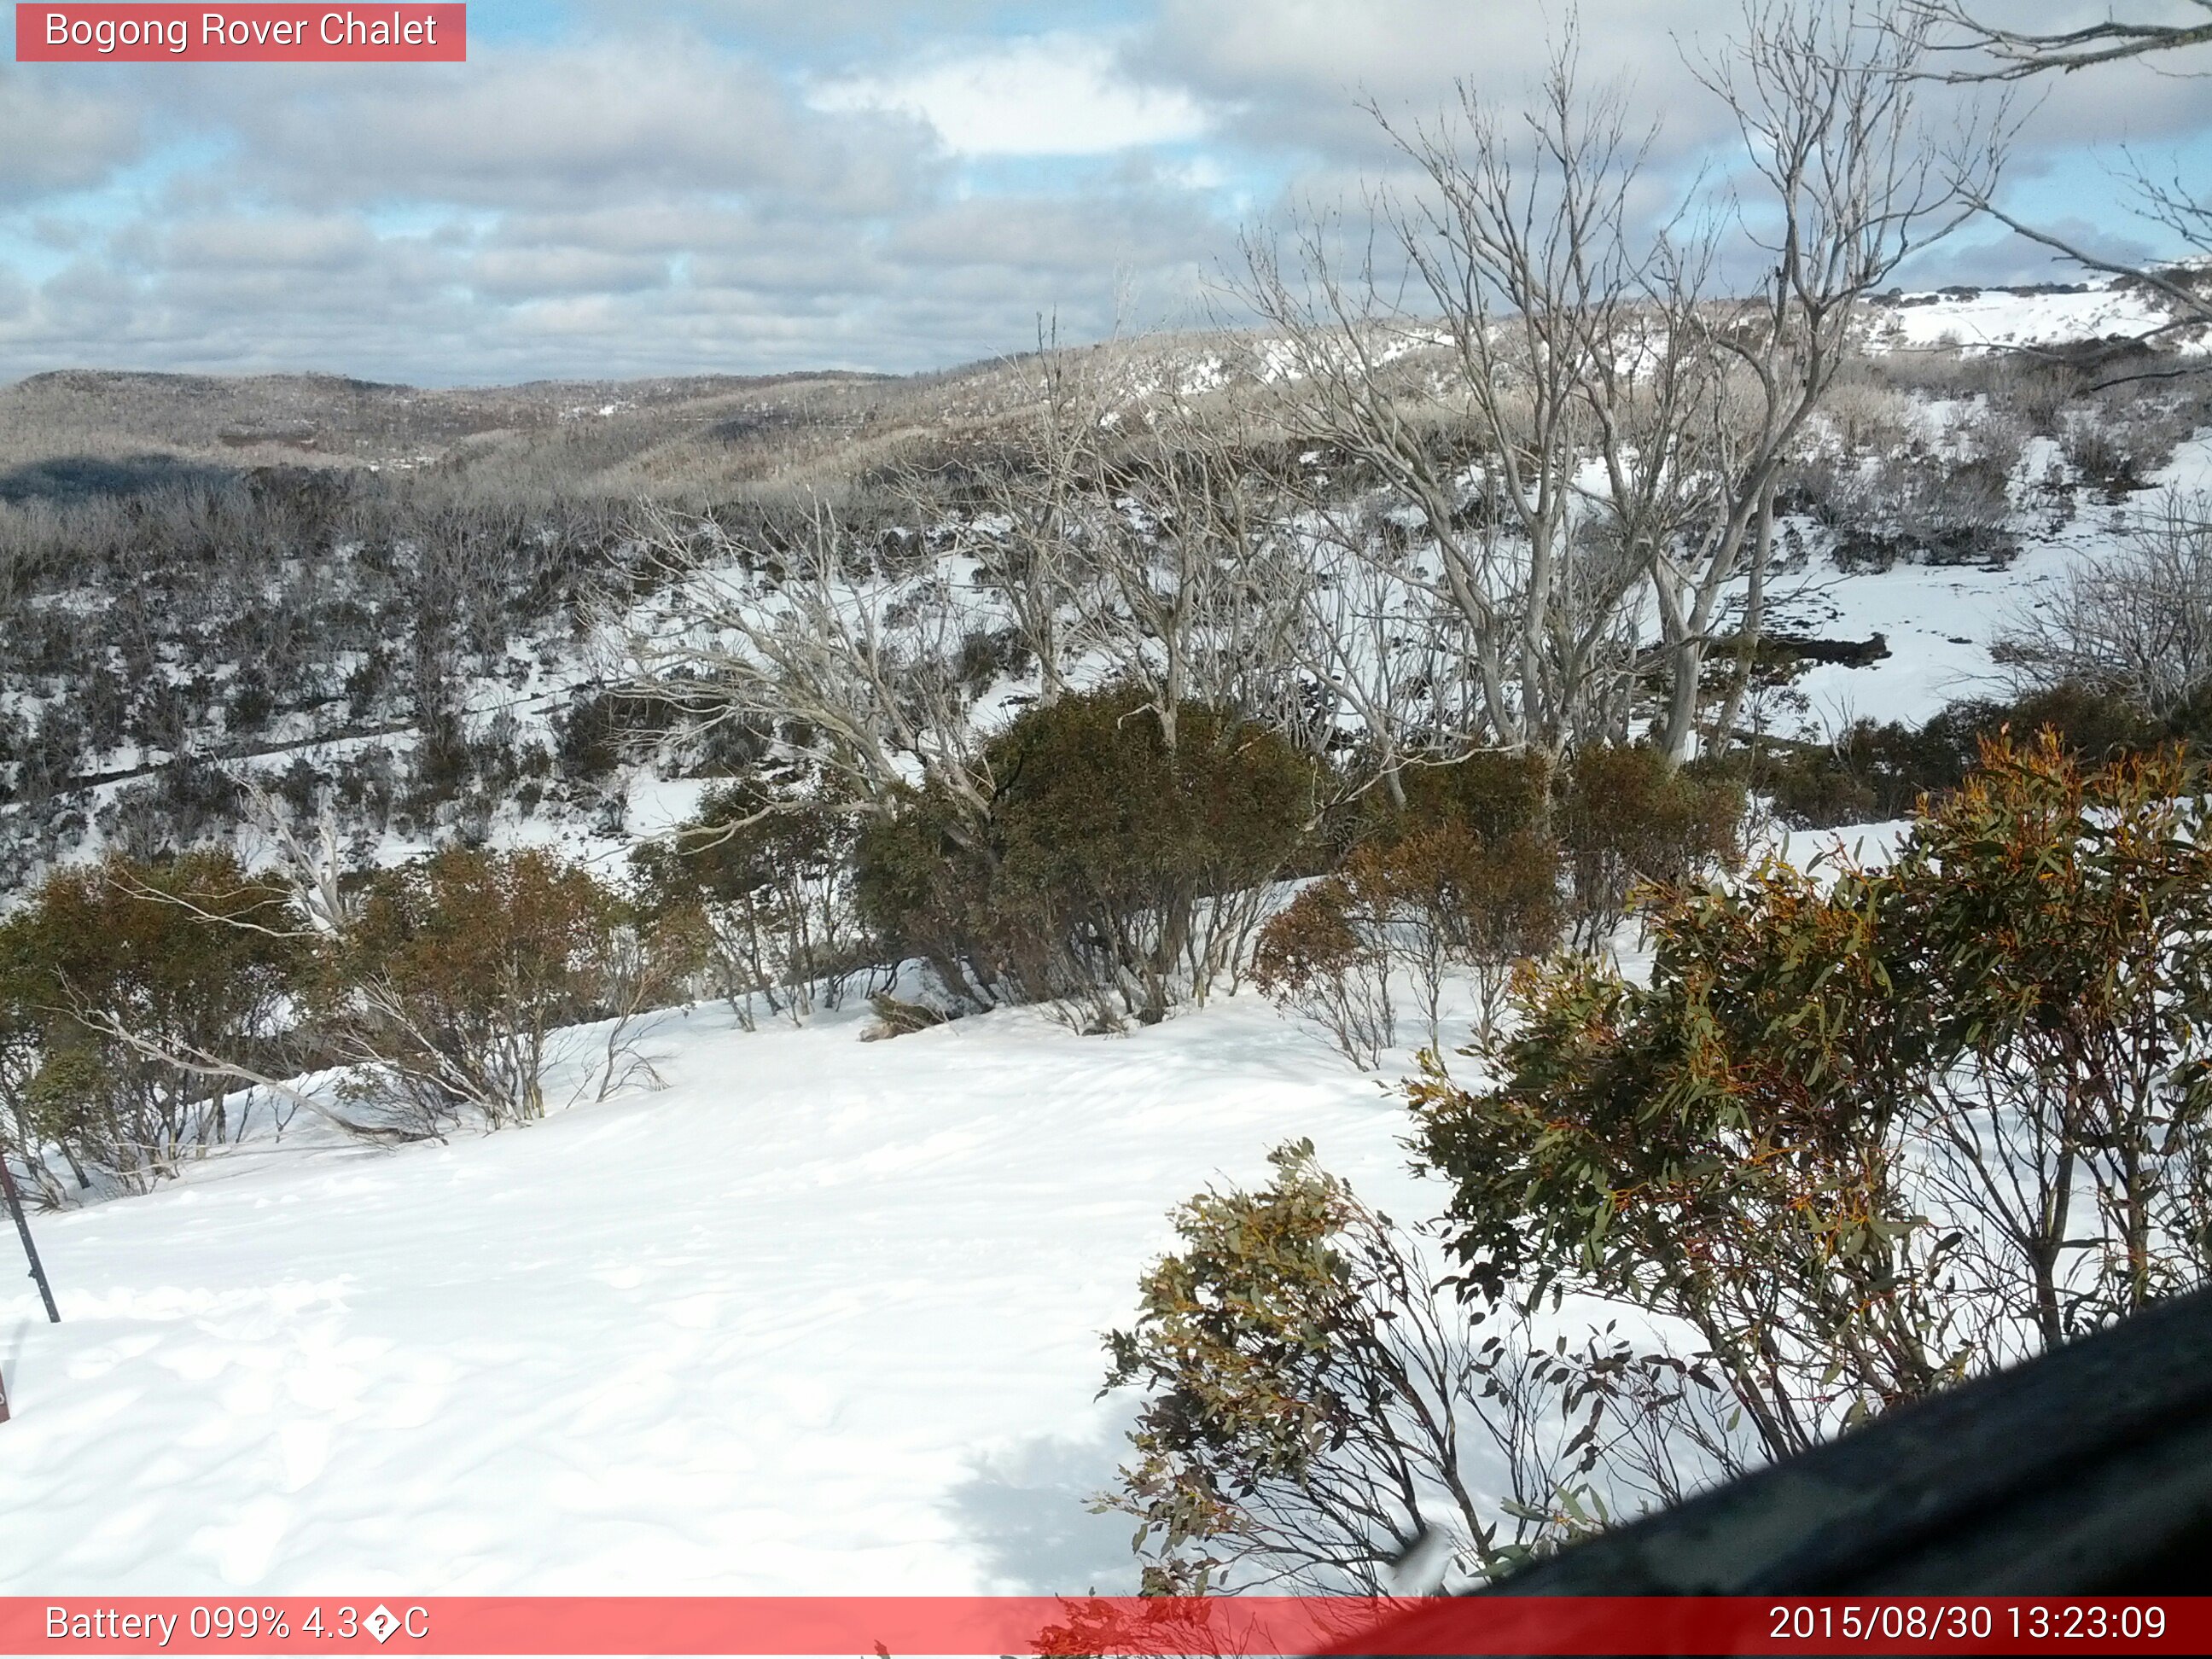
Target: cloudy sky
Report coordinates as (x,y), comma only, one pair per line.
(612,188)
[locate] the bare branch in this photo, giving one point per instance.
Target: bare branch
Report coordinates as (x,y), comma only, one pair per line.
(2018,54)
(197,1062)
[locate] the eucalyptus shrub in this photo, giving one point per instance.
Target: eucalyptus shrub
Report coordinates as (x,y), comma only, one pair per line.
(1624,818)
(189,956)
(1314,1413)
(770,882)
(1429,901)
(1113,873)
(449,990)
(1873,770)
(1864,1132)
(1869,1131)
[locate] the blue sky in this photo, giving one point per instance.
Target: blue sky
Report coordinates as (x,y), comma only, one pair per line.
(611,188)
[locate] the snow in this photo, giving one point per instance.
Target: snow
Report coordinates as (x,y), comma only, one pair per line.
(820,1315)
(1940,620)
(658,806)
(1987,319)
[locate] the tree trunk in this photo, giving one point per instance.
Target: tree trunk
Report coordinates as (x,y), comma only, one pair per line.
(1681,721)
(1754,623)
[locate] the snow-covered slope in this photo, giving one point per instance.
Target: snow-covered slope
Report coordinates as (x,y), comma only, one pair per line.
(2011,317)
(819,1316)
(822,1316)
(1940,620)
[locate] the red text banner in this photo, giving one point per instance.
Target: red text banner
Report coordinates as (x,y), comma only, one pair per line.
(910,1626)
(116,33)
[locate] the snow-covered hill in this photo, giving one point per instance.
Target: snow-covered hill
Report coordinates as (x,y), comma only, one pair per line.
(1940,620)
(1998,318)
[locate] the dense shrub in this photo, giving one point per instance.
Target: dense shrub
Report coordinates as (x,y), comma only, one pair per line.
(1625,818)
(145,1009)
(595,734)
(1424,904)
(186,803)
(1314,1413)
(448,989)
(1872,771)
(923,883)
(1889,493)
(108,968)
(1482,904)
(1327,958)
(2116,442)
(1491,793)
(1111,873)
(1867,1132)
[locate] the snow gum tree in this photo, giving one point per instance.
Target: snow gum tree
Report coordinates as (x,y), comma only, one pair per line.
(1511,254)
(1981,50)
(1581,416)
(1624,819)
(1426,902)
(1843,178)
(848,650)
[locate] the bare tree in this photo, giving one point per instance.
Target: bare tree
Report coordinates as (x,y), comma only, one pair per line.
(1033,539)
(1469,399)
(1847,179)
(1130,529)
(2137,623)
(1549,331)
(1375,647)
(1202,583)
(855,647)
(2019,54)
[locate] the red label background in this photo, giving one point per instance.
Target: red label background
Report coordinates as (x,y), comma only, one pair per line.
(31,47)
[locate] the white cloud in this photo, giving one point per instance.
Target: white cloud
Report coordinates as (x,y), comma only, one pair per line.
(58,137)
(661,189)
(1050,94)
(562,126)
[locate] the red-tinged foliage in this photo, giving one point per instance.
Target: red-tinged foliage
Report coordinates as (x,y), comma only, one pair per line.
(1855,1127)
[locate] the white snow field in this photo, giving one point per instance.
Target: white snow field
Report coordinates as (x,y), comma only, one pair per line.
(820,1317)
(1992,319)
